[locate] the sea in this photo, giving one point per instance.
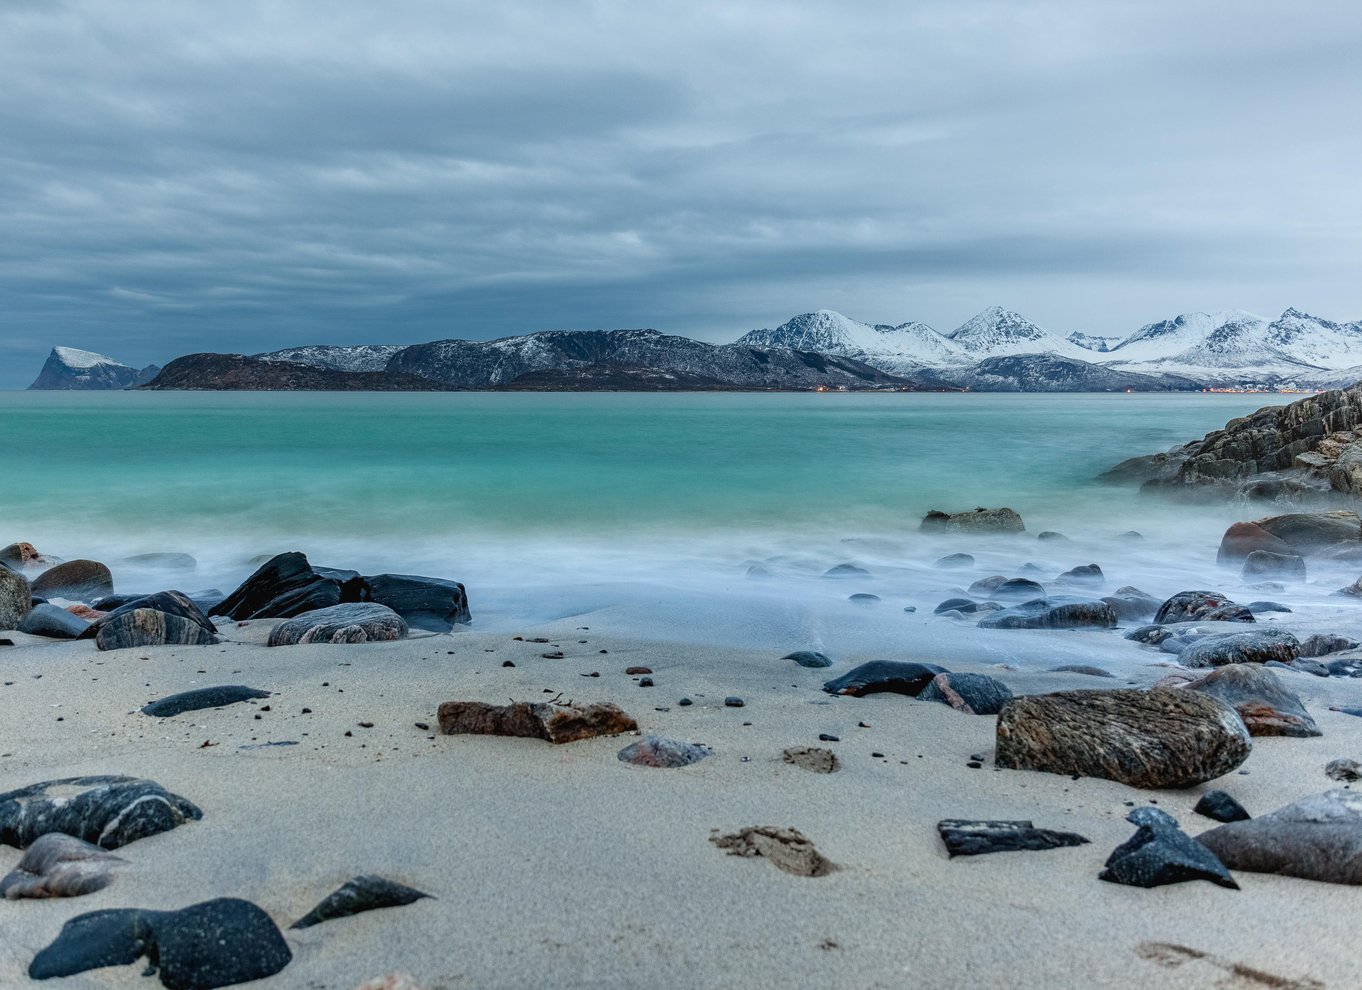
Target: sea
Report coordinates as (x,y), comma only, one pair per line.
(700,516)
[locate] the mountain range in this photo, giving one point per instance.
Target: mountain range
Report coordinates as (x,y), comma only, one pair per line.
(997,350)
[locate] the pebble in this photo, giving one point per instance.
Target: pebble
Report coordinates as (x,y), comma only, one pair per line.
(685,702)
(828,737)
(733,701)
(645,682)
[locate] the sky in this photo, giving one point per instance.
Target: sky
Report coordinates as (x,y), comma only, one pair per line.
(185,176)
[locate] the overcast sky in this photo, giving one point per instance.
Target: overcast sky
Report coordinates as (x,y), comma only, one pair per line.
(179,176)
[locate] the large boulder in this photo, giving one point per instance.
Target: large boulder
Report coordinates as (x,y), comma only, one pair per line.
(1082,576)
(107,811)
(1017,590)
(1248,647)
(1262,701)
(53,622)
(1147,739)
(175,603)
(76,580)
(353,622)
(1317,838)
(431,604)
(1308,532)
(1243,538)
(978,521)
(287,585)
(1053,613)
(142,627)
(1132,604)
(16,598)
(1262,564)
(557,723)
(1201,606)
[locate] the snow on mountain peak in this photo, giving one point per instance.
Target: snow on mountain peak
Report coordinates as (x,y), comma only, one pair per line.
(75,358)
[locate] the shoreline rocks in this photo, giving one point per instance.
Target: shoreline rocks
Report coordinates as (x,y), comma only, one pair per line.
(352,622)
(554,722)
(979,520)
(1316,838)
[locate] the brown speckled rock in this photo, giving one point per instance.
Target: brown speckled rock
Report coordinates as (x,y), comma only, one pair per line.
(558,723)
(1260,698)
(1151,739)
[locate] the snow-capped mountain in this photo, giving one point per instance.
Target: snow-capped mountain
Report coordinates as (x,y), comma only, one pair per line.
(73,369)
(357,357)
(1091,342)
(899,350)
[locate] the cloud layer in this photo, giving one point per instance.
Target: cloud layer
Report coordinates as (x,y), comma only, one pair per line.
(180,176)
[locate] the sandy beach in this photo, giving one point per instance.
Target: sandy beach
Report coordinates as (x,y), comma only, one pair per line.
(562,866)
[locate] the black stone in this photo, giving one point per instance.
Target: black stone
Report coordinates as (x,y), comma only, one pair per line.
(1052,613)
(287,585)
(431,604)
(1080,668)
(1199,606)
(209,697)
(1161,853)
(363,893)
(955,560)
(1259,608)
(975,838)
(808,658)
(733,701)
(898,676)
(1018,589)
(1085,575)
(1150,635)
(53,622)
(963,605)
(976,694)
(109,811)
(1221,807)
(216,943)
(170,602)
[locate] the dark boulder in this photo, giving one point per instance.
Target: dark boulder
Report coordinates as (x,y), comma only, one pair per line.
(976,838)
(200,698)
(53,622)
(1318,838)
(1149,739)
(986,586)
(1018,589)
(1161,853)
(108,811)
(1201,606)
(1265,608)
(1083,576)
(364,893)
(352,622)
(287,585)
(1260,698)
(973,694)
(955,560)
(1322,644)
(1266,564)
(142,627)
(427,603)
(1052,613)
(1150,635)
(808,658)
(16,598)
(962,605)
(75,580)
(1246,647)
(1050,536)
(979,521)
(896,676)
(1308,532)
(1132,605)
(1244,538)
(1219,806)
(1081,668)
(174,603)
(216,943)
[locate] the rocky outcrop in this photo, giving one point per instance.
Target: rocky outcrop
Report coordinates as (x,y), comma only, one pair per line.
(979,520)
(21,556)
(1142,738)
(70,369)
(1317,838)
(1310,532)
(557,723)
(287,585)
(353,622)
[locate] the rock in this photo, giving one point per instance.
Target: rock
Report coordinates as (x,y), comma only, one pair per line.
(352,622)
(364,893)
(216,943)
(1148,739)
(976,838)
(1344,771)
(555,722)
(1220,807)
(787,848)
(163,561)
(655,751)
(16,598)
(1201,606)
(955,560)
(863,599)
(84,612)
(170,602)
(107,811)
(846,571)
(812,758)
(961,605)
(733,701)
(1244,538)
(53,622)
(288,585)
(200,698)
(986,586)
(1265,564)
(1308,532)
(1262,701)
(1344,667)
(76,580)
(1322,644)
(58,865)
(1318,838)
(1262,608)
(1079,668)
(1132,604)
(897,676)
(429,604)
(1161,853)
(1050,535)
(973,694)
(1247,647)
(1083,576)
(1052,613)
(141,627)
(808,658)
(1018,589)
(1150,635)
(20,556)
(978,521)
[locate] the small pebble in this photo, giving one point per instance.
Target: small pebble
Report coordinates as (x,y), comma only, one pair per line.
(684,702)
(423,726)
(733,701)
(828,737)
(306,711)
(645,682)
(878,756)
(507,663)
(974,765)
(631,671)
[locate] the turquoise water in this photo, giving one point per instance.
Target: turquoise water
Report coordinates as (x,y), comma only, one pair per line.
(513,493)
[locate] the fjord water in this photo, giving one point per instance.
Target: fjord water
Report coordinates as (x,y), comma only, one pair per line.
(555,504)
